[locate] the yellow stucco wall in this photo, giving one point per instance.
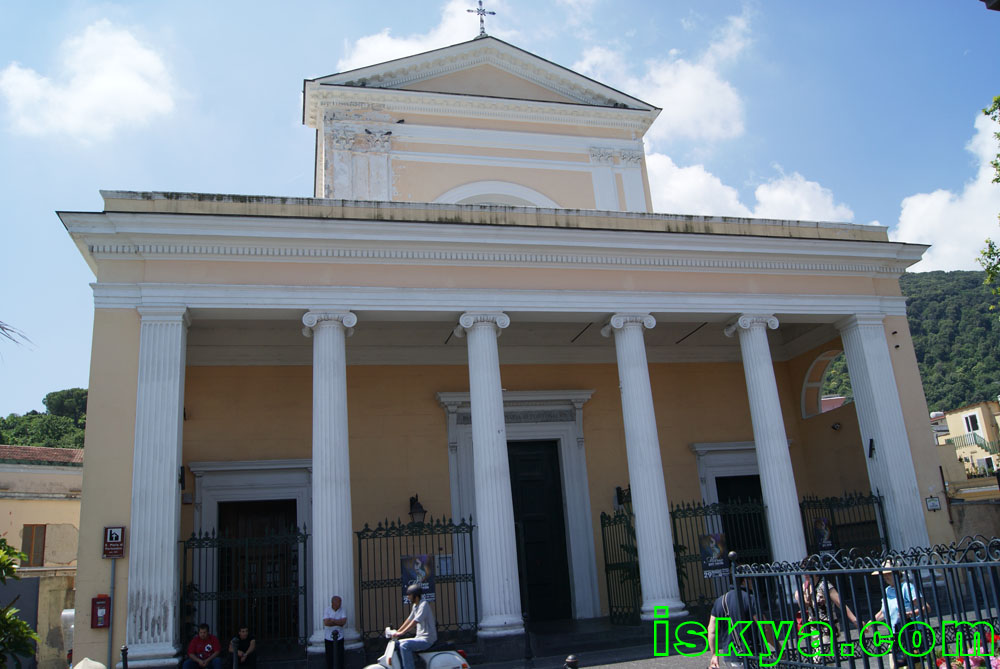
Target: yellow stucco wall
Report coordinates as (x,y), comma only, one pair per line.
(107,471)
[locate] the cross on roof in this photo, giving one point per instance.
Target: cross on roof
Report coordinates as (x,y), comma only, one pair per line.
(482,16)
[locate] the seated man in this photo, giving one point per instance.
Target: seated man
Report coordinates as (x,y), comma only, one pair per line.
(243,647)
(203,651)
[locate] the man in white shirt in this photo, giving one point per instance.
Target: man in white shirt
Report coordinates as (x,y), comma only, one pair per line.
(333,631)
(422,618)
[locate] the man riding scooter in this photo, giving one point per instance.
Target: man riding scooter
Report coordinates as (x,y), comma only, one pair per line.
(422,618)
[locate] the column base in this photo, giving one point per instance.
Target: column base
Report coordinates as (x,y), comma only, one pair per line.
(151,655)
(501,625)
(652,609)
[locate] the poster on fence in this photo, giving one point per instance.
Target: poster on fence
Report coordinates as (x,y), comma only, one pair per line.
(823,534)
(713,555)
(418,569)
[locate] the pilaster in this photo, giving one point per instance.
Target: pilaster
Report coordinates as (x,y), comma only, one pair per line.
(332,536)
(883,429)
(777,480)
(153,575)
(654,534)
(500,598)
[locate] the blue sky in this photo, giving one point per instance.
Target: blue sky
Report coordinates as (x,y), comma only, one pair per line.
(859,111)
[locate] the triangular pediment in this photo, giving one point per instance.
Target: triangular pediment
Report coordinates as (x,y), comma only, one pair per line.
(486,67)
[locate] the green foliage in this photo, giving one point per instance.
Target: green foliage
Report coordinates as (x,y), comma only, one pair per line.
(17,639)
(40,429)
(955,337)
(837,382)
(71,403)
(989,257)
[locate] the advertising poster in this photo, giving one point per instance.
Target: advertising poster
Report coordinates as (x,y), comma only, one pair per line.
(418,569)
(823,534)
(713,555)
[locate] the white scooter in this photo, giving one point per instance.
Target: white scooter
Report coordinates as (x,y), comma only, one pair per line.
(433,659)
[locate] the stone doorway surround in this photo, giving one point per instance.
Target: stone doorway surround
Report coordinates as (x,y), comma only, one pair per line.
(728,458)
(532,415)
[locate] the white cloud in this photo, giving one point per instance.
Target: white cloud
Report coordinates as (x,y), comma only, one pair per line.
(107,79)
(793,197)
(695,190)
(456,25)
(690,190)
(697,101)
(956,224)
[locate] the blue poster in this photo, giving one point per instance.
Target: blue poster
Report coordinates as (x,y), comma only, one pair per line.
(418,569)
(714,562)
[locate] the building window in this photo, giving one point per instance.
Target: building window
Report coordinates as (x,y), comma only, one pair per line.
(972,423)
(33,545)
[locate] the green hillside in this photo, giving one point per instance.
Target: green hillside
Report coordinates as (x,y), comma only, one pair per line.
(956,337)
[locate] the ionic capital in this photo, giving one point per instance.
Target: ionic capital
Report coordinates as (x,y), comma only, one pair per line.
(343,319)
(622,321)
(471,319)
(752,321)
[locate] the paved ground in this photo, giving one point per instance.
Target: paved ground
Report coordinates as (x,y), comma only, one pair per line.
(640,657)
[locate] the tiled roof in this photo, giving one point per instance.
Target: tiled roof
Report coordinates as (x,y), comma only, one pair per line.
(41,455)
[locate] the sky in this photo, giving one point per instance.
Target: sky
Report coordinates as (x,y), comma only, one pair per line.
(858,111)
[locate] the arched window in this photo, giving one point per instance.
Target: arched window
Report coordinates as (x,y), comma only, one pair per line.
(827,384)
(496,192)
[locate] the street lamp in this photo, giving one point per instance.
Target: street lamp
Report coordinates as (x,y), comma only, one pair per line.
(417,511)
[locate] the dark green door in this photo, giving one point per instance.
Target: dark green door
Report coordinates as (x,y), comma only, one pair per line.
(538,510)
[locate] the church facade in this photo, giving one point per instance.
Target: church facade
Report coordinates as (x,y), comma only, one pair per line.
(479,268)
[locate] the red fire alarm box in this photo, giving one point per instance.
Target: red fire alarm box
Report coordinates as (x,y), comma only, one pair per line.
(100,611)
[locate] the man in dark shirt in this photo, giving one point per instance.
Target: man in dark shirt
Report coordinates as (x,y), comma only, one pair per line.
(244,647)
(203,651)
(730,646)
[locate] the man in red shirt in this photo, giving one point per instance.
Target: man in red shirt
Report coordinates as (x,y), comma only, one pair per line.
(203,651)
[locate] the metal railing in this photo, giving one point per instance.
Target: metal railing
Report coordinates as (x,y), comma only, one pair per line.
(260,582)
(445,553)
(973,439)
(621,568)
(910,608)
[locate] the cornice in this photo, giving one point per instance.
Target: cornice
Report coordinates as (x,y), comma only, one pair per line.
(521,400)
(322,98)
(119,236)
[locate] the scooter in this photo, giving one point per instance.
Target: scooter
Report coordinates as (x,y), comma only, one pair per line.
(438,656)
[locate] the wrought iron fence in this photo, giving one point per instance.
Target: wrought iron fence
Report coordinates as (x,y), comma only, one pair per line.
(621,567)
(919,607)
(260,582)
(855,521)
(744,527)
(448,548)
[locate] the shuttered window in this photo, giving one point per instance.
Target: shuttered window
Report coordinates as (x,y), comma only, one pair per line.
(34,545)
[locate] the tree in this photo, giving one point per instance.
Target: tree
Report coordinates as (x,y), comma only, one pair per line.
(12,333)
(17,639)
(40,429)
(71,403)
(989,257)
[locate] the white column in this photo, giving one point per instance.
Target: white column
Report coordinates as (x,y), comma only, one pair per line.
(653,532)
(500,594)
(635,193)
(154,526)
(777,481)
(880,418)
(332,536)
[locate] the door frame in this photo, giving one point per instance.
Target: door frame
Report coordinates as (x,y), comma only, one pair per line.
(537,415)
(727,458)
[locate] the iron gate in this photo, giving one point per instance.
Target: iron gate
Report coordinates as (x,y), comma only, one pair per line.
(449,549)
(853,521)
(744,525)
(260,582)
(621,567)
